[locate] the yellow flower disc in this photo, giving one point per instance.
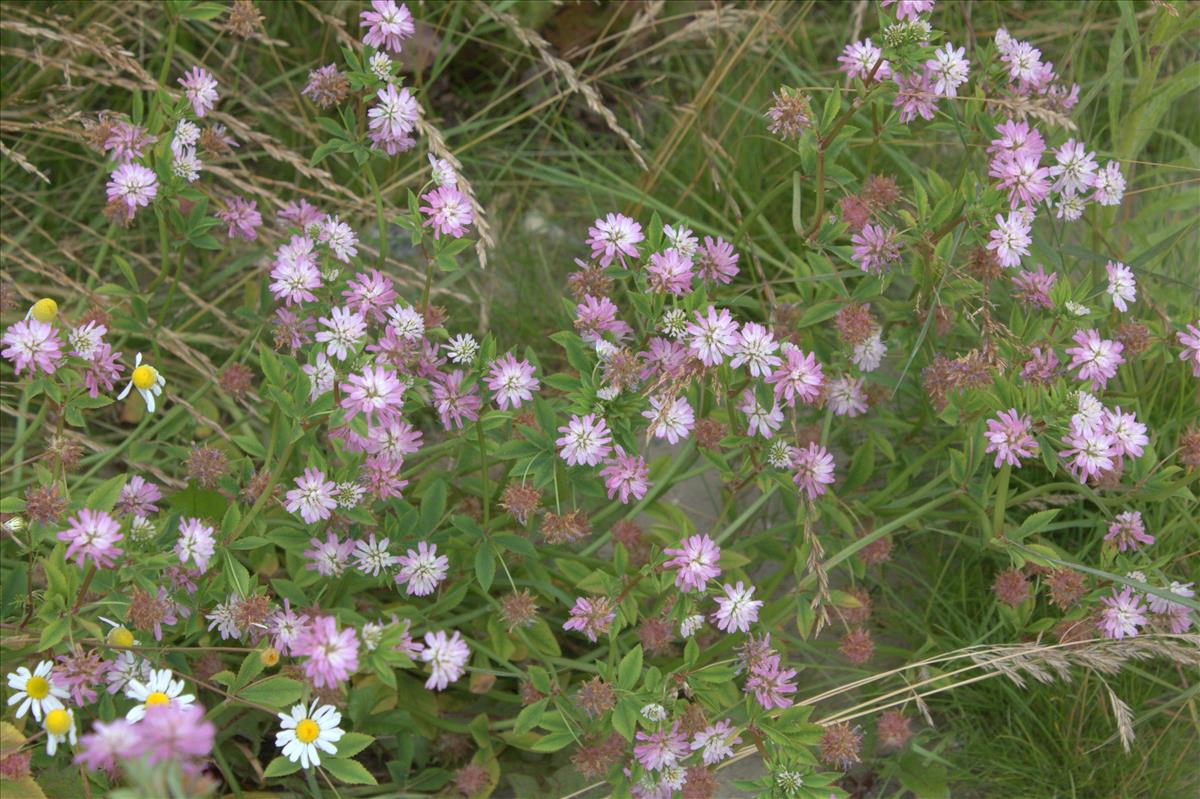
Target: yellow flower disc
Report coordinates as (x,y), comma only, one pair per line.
(144,377)
(307,731)
(44,310)
(58,721)
(37,687)
(120,636)
(157,698)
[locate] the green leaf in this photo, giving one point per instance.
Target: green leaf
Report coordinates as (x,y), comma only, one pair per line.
(54,632)
(350,772)
(630,668)
(104,496)
(251,667)
(352,743)
(485,566)
(280,767)
(273,691)
(433,507)
(529,716)
(1034,523)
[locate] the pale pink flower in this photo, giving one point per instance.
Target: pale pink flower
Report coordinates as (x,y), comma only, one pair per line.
(908,9)
(313,496)
(449,212)
(1109,185)
(670,421)
(1096,358)
(813,467)
(370,294)
(875,248)
(344,331)
(1128,434)
(134,185)
(591,616)
(422,569)
(669,272)
(1008,437)
(1090,452)
(614,236)
(328,558)
(456,404)
(1122,286)
(447,658)
(295,274)
(800,377)
(92,534)
(596,316)
(387,24)
(662,748)
(139,497)
(1128,531)
(340,237)
(201,90)
(196,541)
(1026,180)
(1123,614)
(713,336)
(948,69)
(626,475)
(756,347)
(376,393)
(1190,339)
(585,440)
(511,381)
(736,611)
(717,261)
(717,741)
(1034,287)
(1010,240)
(845,396)
(332,656)
(33,345)
(696,561)
(915,96)
(770,683)
(761,421)
(859,58)
(1075,170)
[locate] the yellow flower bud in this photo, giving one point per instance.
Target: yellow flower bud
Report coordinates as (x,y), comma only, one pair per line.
(44,310)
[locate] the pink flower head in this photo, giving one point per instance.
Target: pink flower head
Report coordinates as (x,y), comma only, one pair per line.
(770,683)
(858,61)
(328,558)
(1008,437)
(370,294)
(1090,452)
(394,438)
(1034,287)
(1122,286)
(380,475)
(1109,185)
(1042,366)
(102,370)
(449,211)
(626,475)
(908,9)
(813,466)
(422,569)
(138,497)
(1128,531)
(1010,240)
(242,218)
(312,496)
(201,90)
(915,97)
(301,214)
(387,24)
(756,347)
(713,336)
(396,114)
(1096,358)
(669,272)
(128,142)
(195,541)
(717,741)
(614,236)
(661,748)
(845,396)
(92,534)
(332,655)
(1128,434)
(696,560)
(736,611)
(672,421)
(511,381)
(948,69)
(800,377)
(285,628)
(1025,179)
(456,404)
(1075,168)
(875,249)
(33,345)
(447,658)
(376,393)
(585,440)
(591,616)
(1190,340)
(762,422)
(173,732)
(1123,614)
(106,745)
(717,261)
(340,237)
(295,272)
(343,331)
(134,185)
(596,316)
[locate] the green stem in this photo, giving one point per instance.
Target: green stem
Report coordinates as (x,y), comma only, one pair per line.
(486,497)
(1001,501)
(383,242)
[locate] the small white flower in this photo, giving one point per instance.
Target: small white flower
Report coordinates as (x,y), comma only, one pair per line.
(147,380)
(1077,309)
(158,689)
(673,322)
(86,339)
(682,239)
(381,66)
(779,455)
(307,730)
(654,712)
(35,690)
(462,349)
(689,626)
(407,323)
(372,634)
(608,393)
(60,728)
(870,353)
(443,172)
(186,165)
(186,136)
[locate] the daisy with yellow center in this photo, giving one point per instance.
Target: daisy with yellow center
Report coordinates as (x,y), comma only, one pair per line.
(147,380)
(157,690)
(44,310)
(305,730)
(60,728)
(35,690)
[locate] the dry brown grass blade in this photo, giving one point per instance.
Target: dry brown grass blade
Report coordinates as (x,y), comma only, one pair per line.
(22,162)
(563,69)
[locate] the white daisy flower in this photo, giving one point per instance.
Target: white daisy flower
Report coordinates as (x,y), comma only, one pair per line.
(60,728)
(147,380)
(158,689)
(306,731)
(35,690)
